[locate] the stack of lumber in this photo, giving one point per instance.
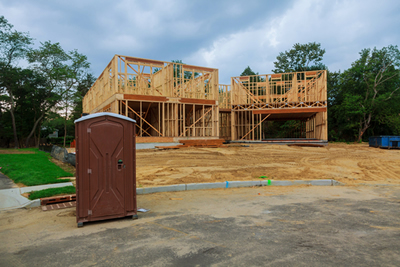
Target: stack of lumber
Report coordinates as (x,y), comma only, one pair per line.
(196,143)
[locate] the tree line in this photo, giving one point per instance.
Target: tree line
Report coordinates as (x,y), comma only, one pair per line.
(46,93)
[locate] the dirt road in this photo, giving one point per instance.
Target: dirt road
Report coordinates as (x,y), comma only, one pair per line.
(348,163)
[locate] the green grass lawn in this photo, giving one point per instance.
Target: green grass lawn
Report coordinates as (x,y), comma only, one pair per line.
(52,192)
(32,169)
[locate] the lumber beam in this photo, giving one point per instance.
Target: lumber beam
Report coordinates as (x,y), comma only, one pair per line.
(197,101)
(289,110)
(191,67)
(146,61)
(145,98)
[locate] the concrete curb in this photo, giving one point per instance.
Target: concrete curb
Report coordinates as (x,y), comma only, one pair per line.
(298,182)
(32,204)
(25,203)
(233,184)
(167,188)
(205,186)
(41,187)
(12,198)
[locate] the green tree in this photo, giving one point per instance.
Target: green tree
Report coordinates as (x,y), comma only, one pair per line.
(370,87)
(248,72)
(62,71)
(253,79)
(335,98)
(32,98)
(187,75)
(81,89)
(13,46)
(301,57)
(28,95)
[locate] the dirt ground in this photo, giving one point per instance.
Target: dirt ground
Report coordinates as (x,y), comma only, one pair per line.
(347,163)
(261,226)
(310,225)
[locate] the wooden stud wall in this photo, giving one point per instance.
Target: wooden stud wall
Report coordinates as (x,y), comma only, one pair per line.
(166,99)
(137,76)
(225,126)
(316,126)
(254,97)
(165,119)
(291,88)
(248,126)
(224,97)
(177,100)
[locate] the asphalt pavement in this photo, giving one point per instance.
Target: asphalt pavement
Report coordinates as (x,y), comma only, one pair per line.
(261,226)
(6,183)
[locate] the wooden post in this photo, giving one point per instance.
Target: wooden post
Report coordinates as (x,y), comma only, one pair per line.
(176,120)
(115,68)
(194,119)
(184,120)
(140,116)
(163,120)
(203,122)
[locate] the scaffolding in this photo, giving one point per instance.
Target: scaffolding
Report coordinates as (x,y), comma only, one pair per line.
(168,100)
(300,96)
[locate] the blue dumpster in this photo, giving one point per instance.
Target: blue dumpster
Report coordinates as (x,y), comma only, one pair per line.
(384,141)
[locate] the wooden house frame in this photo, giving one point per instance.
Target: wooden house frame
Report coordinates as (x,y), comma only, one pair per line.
(298,96)
(172,101)
(168,100)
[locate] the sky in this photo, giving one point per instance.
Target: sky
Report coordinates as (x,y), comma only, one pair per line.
(228,35)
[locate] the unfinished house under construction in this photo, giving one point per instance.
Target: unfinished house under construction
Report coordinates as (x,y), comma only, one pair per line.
(172,101)
(299,96)
(169,101)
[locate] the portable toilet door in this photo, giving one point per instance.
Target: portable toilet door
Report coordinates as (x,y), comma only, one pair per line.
(105,167)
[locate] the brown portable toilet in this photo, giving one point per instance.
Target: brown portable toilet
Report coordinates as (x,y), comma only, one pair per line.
(105,167)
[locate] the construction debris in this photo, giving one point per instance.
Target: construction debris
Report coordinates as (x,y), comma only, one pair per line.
(57,199)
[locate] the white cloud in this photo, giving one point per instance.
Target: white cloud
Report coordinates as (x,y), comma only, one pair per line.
(227,35)
(342,27)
